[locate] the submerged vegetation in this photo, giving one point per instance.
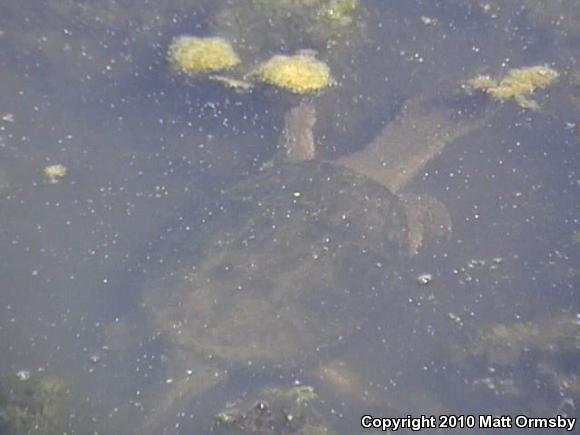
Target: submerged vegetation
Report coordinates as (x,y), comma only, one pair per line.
(339,13)
(531,366)
(517,85)
(275,411)
(30,405)
(547,348)
(508,342)
(266,26)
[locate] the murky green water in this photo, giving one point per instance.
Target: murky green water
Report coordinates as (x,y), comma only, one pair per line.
(147,152)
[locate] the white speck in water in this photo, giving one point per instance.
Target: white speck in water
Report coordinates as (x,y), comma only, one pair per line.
(425,278)
(454,317)
(7,117)
(428,21)
(23,375)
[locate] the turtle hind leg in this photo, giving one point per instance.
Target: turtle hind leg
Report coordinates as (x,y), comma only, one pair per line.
(174,398)
(427,219)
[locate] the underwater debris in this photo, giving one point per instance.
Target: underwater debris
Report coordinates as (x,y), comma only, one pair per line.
(499,386)
(54,173)
(517,85)
(424,279)
(238,85)
(300,74)
(475,269)
(191,54)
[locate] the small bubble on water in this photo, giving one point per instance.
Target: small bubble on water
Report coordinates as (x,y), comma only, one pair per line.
(425,278)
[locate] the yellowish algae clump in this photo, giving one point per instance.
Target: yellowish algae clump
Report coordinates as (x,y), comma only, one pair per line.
(517,85)
(300,74)
(54,173)
(192,54)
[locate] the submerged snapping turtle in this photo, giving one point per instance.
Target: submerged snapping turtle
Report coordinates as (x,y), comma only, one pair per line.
(293,259)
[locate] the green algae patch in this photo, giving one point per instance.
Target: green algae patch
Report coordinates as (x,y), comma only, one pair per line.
(517,85)
(339,13)
(299,74)
(266,25)
(54,173)
(33,405)
(191,55)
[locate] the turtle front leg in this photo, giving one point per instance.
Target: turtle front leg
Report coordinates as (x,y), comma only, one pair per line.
(297,142)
